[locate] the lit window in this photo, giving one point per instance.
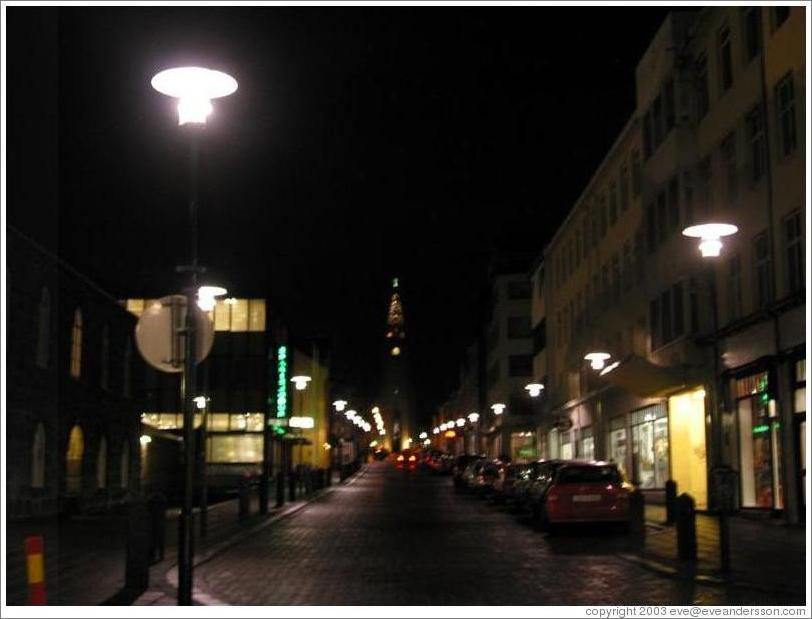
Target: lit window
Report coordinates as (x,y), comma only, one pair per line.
(218,421)
(256,315)
(239,315)
(222,316)
(135,306)
(76,345)
(234,448)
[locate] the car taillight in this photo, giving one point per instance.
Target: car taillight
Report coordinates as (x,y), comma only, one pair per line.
(400,458)
(412,458)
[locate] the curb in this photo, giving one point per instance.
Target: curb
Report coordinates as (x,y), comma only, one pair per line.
(200,597)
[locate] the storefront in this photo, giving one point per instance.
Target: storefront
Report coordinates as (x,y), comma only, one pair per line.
(799,417)
(586,444)
(759,443)
(686,438)
(616,448)
(649,428)
(523,446)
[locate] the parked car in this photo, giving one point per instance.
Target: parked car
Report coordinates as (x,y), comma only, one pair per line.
(521,485)
(572,491)
(503,485)
(483,475)
(460,465)
(471,477)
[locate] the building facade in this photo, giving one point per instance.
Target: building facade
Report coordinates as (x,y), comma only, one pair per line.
(73,391)
(717,135)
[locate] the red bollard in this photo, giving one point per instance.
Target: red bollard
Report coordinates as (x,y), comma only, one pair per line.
(35,563)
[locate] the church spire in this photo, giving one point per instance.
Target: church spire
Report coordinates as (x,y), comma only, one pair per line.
(394,316)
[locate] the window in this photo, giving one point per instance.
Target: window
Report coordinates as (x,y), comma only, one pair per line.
(725,58)
(752,32)
(624,188)
(755,140)
(637,173)
(734,288)
(616,277)
(728,153)
(519,289)
(235,448)
(794,252)
(673,204)
(650,446)
(667,316)
(256,315)
(518,327)
(761,254)
(73,461)
(124,469)
(785,112)
(520,365)
(38,458)
(702,93)
(780,15)
(76,345)
(239,315)
(627,266)
(101,465)
(612,204)
(126,383)
(670,109)
(104,358)
(44,329)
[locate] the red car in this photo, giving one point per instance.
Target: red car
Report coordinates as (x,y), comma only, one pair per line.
(406,460)
(585,492)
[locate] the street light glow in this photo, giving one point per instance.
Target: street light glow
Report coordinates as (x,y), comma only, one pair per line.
(498,408)
(207,297)
(200,401)
(473,417)
(460,422)
(534,389)
(424,435)
(195,87)
(436,430)
(340,405)
(350,414)
(711,235)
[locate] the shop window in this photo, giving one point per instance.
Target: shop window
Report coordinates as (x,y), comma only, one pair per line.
(235,448)
(44,329)
(256,315)
(217,422)
(759,452)
(617,442)
(76,345)
(586,449)
(650,446)
(239,315)
(566,445)
(686,436)
(38,458)
(135,306)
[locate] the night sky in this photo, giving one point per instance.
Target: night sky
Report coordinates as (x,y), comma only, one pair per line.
(363,143)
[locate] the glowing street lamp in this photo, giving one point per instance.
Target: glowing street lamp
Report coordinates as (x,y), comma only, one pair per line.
(473,417)
(350,414)
(460,422)
(534,389)
(300,382)
(340,405)
(498,408)
(436,430)
(194,87)
(711,234)
(597,359)
(207,297)
(200,402)
(424,435)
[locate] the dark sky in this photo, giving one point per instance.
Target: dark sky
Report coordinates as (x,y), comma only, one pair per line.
(363,143)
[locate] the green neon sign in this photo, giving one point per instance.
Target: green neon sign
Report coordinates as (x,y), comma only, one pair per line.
(282,381)
(761,429)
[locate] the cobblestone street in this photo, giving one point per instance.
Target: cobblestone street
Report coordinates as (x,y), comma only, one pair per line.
(407,538)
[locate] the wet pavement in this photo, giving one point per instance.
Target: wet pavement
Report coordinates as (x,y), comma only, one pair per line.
(395,538)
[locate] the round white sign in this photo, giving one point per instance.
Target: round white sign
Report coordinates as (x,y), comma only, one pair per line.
(160,338)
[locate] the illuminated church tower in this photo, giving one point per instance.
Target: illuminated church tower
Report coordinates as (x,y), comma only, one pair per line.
(397,399)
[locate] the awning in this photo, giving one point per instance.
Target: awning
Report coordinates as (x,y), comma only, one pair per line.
(643,378)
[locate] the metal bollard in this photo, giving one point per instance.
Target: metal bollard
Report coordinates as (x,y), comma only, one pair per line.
(35,564)
(670,501)
(637,516)
(686,528)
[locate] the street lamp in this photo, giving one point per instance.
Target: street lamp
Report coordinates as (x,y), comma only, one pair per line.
(498,408)
(350,414)
(460,422)
(710,246)
(534,389)
(340,405)
(473,417)
(597,360)
(207,297)
(195,87)
(300,382)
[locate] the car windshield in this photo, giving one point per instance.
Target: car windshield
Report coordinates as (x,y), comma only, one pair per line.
(588,474)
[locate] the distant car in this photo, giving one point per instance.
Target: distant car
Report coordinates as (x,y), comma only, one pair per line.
(573,491)
(525,477)
(406,460)
(460,465)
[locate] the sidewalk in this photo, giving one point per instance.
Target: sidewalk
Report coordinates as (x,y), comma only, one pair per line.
(225,529)
(765,556)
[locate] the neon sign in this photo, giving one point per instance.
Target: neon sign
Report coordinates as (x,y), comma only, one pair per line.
(282,381)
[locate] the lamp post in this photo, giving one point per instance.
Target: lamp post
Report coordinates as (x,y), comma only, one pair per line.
(710,246)
(194,87)
(300,382)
